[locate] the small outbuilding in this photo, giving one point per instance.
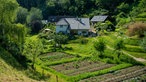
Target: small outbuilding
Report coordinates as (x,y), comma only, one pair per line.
(96,19)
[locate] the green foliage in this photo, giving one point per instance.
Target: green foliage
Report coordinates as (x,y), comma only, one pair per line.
(8,58)
(143,43)
(100,46)
(21,15)
(139,8)
(11,34)
(34,14)
(32,48)
(133,48)
(123,7)
(130,60)
(58,40)
(142,15)
(119,45)
(132,41)
(84,41)
(34,20)
(8,11)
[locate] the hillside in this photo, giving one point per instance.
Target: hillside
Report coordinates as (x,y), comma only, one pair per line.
(31,50)
(8,73)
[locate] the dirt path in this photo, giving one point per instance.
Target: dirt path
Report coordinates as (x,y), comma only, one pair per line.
(137,59)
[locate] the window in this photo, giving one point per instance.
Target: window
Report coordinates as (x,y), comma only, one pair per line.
(61,26)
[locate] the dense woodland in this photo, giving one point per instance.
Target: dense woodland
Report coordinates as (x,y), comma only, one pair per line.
(20,19)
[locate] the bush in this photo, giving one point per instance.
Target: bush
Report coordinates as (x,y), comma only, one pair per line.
(137,28)
(84,41)
(100,46)
(143,43)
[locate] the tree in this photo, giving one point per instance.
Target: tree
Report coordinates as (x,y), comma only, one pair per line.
(58,40)
(10,33)
(143,43)
(100,46)
(34,14)
(119,45)
(21,15)
(32,49)
(34,19)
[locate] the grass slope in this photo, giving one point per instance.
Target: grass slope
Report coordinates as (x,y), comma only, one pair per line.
(9,71)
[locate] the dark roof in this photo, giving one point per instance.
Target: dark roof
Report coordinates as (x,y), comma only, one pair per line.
(57,18)
(75,23)
(99,18)
(62,22)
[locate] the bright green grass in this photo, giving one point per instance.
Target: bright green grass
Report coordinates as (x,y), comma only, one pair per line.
(133,48)
(138,54)
(81,49)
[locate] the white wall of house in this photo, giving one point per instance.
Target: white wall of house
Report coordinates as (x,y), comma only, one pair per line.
(61,28)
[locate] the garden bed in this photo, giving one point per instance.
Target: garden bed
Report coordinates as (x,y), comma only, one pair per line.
(55,56)
(79,67)
(119,75)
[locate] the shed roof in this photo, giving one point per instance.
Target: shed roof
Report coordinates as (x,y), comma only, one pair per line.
(99,18)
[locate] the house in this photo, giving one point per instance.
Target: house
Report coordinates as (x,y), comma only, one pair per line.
(96,19)
(73,26)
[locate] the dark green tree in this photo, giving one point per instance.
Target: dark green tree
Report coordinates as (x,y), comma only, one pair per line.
(119,45)
(58,40)
(100,46)
(21,15)
(11,34)
(143,42)
(34,20)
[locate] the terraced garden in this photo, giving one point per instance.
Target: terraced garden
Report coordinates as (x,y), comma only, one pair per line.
(57,58)
(75,68)
(119,75)
(79,67)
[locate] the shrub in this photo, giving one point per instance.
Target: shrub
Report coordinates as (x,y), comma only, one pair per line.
(84,41)
(143,43)
(119,45)
(100,46)
(137,28)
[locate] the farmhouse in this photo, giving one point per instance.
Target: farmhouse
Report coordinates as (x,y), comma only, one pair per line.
(96,19)
(78,26)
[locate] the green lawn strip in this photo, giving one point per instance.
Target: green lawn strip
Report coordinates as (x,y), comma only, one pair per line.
(100,72)
(62,61)
(133,48)
(77,54)
(82,50)
(140,19)
(137,54)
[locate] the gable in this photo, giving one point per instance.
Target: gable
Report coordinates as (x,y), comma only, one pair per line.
(62,22)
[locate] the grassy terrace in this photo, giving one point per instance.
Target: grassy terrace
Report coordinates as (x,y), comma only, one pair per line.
(66,64)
